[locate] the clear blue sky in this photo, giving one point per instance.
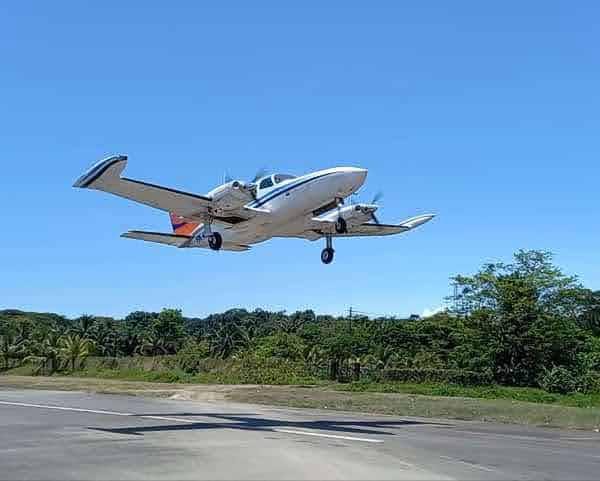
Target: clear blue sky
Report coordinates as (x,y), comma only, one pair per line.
(486,113)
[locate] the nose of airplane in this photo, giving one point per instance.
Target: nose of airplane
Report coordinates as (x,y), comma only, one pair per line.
(358,176)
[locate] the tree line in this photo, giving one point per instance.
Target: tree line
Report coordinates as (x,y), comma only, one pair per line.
(523,323)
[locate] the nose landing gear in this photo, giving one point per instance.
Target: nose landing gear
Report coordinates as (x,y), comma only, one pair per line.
(327,253)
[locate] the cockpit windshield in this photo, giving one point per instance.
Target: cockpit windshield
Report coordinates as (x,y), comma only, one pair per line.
(277,178)
(270,181)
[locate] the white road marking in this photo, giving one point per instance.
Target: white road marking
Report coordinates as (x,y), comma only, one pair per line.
(179,420)
(324,435)
(63,408)
(466,463)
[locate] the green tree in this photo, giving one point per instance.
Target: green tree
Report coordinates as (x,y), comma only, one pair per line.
(523,314)
(11,347)
(169,325)
(84,326)
(152,345)
(74,349)
(228,338)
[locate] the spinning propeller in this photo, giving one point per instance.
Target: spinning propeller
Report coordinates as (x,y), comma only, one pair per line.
(251,185)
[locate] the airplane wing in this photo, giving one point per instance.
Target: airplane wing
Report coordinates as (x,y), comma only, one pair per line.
(105,176)
(178,240)
(373,229)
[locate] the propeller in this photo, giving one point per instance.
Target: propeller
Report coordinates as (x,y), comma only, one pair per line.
(251,186)
(376,198)
(260,173)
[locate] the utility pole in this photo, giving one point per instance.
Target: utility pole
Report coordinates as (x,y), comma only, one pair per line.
(350,320)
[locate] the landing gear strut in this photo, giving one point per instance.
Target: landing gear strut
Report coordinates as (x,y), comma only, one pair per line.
(327,253)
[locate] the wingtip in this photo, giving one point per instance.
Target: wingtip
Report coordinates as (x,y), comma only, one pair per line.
(96,170)
(417,221)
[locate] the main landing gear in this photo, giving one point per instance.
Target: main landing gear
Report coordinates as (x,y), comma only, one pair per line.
(215,241)
(327,253)
(341,227)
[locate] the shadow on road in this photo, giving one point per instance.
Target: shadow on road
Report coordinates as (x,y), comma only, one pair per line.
(253,423)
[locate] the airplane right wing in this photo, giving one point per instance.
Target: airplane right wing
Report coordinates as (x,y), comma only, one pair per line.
(105,176)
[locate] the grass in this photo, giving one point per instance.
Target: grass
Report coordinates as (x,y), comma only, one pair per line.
(524,394)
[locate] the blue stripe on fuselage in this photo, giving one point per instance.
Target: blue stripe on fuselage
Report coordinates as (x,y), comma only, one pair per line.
(285,188)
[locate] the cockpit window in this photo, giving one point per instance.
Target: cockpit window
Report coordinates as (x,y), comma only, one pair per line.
(266,183)
(281,177)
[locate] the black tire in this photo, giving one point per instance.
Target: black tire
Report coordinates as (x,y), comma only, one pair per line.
(341,227)
(215,241)
(327,255)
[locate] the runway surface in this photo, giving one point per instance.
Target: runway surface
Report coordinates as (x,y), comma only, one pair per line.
(72,435)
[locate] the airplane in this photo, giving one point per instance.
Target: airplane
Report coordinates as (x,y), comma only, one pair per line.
(237,213)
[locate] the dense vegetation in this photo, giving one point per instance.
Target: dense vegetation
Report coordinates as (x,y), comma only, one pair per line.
(519,324)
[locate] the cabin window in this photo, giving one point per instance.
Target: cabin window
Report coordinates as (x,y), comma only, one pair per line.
(266,183)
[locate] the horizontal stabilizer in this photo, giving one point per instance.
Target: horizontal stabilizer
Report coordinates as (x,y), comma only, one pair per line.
(159,237)
(180,240)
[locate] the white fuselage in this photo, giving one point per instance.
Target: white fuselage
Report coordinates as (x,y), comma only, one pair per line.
(292,203)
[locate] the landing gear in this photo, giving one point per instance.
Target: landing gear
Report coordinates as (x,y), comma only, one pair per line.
(341,227)
(327,253)
(215,241)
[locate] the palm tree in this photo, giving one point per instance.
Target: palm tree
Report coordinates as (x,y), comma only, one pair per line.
(11,347)
(228,338)
(45,352)
(105,338)
(130,343)
(74,348)
(84,327)
(153,345)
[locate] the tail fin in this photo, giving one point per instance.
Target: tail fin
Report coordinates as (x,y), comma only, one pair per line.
(181,226)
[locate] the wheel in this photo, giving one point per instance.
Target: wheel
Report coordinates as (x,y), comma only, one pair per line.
(215,241)
(327,255)
(341,227)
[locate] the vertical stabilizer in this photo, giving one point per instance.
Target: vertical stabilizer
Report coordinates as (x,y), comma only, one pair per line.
(181,226)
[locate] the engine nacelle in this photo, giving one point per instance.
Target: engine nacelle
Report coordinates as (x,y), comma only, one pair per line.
(230,196)
(355,214)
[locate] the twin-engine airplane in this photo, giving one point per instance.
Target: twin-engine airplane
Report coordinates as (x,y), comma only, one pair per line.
(237,213)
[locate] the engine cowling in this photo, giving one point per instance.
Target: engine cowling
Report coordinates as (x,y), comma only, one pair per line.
(353,214)
(231,196)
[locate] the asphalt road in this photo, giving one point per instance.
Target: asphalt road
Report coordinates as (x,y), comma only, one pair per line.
(71,435)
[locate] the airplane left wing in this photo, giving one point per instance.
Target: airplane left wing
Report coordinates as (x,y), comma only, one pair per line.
(106,176)
(373,229)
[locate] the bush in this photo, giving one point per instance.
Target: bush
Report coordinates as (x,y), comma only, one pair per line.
(589,383)
(559,380)
(252,369)
(453,376)
(281,345)
(191,355)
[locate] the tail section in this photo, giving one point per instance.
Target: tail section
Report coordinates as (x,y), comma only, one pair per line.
(181,226)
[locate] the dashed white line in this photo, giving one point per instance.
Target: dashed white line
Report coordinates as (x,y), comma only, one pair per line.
(63,408)
(325,435)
